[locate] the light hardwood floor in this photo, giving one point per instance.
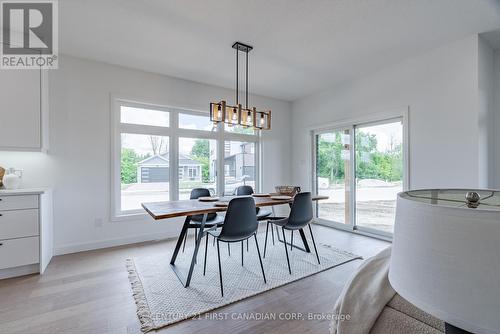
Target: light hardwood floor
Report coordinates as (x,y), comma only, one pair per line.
(89,292)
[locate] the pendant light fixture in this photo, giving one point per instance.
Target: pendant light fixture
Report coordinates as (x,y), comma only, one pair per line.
(221,112)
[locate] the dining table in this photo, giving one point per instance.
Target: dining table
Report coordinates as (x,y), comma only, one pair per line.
(186,208)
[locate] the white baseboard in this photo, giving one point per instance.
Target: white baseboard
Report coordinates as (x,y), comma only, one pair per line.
(87,246)
(19,271)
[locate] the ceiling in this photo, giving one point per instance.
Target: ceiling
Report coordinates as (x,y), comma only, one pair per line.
(299,46)
(493,38)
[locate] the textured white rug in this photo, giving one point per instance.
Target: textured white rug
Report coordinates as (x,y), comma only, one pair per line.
(162,300)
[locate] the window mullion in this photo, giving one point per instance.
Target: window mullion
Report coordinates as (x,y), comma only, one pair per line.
(220,159)
(174,157)
(352,181)
(145,129)
(188,133)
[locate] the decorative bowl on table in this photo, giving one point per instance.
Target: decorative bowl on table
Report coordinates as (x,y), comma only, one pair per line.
(221,203)
(287,190)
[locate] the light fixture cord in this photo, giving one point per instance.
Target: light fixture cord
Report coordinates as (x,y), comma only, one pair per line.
(237,80)
(247,81)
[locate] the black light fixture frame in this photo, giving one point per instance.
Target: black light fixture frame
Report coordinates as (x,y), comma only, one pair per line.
(241,47)
(223,108)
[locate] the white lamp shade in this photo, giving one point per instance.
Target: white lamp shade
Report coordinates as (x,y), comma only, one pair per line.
(446,257)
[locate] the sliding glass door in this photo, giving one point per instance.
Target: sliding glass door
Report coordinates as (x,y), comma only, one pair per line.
(379,174)
(333,175)
(361,167)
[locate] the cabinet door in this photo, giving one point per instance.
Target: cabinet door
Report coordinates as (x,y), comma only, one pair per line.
(20,109)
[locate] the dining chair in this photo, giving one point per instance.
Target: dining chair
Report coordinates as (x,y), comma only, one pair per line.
(301,215)
(240,224)
(262,213)
(213,219)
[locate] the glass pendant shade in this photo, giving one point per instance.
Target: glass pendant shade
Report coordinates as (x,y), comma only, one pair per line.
(232,116)
(262,120)
(217,111)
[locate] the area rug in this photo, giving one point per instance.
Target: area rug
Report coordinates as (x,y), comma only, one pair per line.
(162,300)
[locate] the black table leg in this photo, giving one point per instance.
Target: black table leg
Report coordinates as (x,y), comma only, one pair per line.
(304,240)
(195,253)
(306,247)
(179,241)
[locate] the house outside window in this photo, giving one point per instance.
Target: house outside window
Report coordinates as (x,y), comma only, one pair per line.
(161,153)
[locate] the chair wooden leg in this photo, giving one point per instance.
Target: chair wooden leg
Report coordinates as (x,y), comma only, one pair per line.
(265,240)
(291,241)
(260,260)
(286,251)
(247,245)
(220,269)
(242,252)
(205,262)
(195,235)
(229,249)
(314,243)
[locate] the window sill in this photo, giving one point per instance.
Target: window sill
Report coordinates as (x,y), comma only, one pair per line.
(131,216)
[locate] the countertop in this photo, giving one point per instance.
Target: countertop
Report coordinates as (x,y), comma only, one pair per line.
(22,191)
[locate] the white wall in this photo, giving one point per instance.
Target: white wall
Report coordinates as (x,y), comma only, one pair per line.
(496,118)
(485,109)
(440,88)
(78,163)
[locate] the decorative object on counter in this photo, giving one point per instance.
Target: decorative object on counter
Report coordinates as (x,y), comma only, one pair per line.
(287,190)
(2,173)
(12,178)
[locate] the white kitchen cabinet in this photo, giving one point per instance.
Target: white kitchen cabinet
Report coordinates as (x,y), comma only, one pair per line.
(23,110)
(26,236)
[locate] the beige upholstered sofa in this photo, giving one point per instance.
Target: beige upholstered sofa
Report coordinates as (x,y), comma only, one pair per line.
(372,306)
(400,316)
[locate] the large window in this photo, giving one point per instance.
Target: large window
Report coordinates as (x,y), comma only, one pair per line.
(197,165)
(144,170)
(162,153)
(361,167)
(239,165)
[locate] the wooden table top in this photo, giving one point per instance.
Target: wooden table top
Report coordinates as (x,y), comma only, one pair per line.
(171,209)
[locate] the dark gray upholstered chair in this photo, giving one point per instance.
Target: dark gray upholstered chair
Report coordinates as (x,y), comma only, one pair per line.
(262,214)
(213,219)
(301,215)
(240,224)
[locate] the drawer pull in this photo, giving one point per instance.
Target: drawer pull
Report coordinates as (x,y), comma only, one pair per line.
(1,244)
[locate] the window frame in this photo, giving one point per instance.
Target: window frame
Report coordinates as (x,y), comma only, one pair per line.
(173,132)
(352,125)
